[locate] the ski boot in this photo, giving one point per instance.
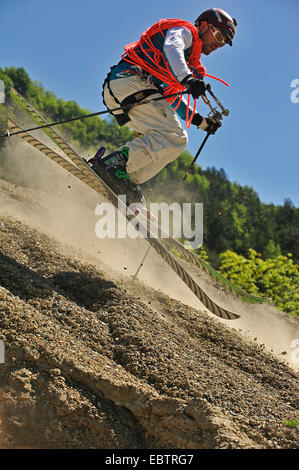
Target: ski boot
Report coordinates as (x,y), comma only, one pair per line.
(112,170)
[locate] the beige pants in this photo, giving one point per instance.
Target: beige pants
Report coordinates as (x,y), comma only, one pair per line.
(163,138)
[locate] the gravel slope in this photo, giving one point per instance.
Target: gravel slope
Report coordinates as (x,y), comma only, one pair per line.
(89,364)
(94,360)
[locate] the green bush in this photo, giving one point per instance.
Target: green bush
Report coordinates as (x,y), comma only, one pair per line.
(277,277)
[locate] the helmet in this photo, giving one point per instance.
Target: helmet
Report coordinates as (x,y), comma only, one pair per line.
(221,20)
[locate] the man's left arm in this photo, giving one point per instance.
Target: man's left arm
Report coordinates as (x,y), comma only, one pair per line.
(177,41)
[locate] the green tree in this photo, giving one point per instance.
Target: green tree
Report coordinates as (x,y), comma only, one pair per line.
(20,79)
(272,250)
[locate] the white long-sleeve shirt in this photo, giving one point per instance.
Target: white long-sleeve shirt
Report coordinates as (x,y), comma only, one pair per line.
(177,41)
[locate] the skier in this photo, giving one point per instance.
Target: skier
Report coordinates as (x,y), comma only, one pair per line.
(165,60)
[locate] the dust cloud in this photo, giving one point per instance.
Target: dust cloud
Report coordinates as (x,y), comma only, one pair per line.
(36,190)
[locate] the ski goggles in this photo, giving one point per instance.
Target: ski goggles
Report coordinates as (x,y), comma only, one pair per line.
(218,36)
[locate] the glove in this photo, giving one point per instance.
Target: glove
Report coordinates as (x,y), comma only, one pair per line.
(195,86)
(209,125)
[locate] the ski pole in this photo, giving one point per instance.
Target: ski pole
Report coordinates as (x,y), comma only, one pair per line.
(125,108)
(141,264)
(196,156)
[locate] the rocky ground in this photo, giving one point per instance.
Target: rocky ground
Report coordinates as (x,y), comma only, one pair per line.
(94,360)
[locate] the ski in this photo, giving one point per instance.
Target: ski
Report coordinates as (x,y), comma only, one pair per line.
(81,170)
(172,244)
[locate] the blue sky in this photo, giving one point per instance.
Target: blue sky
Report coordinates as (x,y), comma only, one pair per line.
(69,46)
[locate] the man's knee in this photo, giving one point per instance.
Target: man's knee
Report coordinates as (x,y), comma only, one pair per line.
(184,139)
(179,145)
